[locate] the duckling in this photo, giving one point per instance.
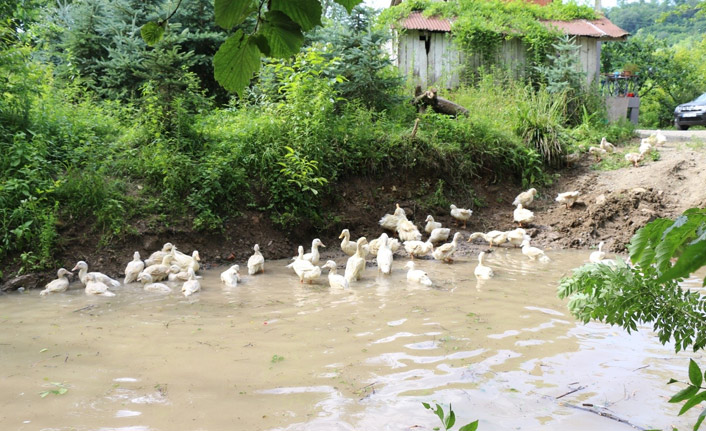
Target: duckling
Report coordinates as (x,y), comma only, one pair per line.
(481,270)
(572,158)
(335,281)
(445,252)
(59,285)
(160,271)
(384,255)
(349,247)
(494,237)
(191,285)
(431,225)
(645,147)
(314,255)
(533,252)
(98,276)
(356,263)
(374,245)
(306,270)
(440,234)
(607,146)
(417,275)
(516,236)
(176,274)
(461,214)
(597,152)
(525,198)
(522,216)
(256,262)
(634,158)
(660,139)
(133,268)
(390,221)
(185,261)
(150,286)
(599,255)
(568,198)
(156,257)
(418,248)
(407,231)
(231,276)
(95,285)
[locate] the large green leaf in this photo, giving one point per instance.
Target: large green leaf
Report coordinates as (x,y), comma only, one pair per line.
(673,239)
(235,62)
(306,13)
(152,32)
(473,426)
(684,394)
(349,4)
(695,400)
(695,373)
(230,13)
(692,258)
(642,244)
(283,35)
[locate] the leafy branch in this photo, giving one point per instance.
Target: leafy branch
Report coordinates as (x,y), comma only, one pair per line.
(449,420)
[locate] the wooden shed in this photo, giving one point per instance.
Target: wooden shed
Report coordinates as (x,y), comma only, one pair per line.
(426,53)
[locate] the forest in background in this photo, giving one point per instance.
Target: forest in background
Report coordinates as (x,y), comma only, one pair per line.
(99,129)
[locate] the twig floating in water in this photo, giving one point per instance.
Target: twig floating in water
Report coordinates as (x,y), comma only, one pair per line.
(570,392)
(605,415)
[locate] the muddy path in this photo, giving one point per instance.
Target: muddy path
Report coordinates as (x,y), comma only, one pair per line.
(612,206)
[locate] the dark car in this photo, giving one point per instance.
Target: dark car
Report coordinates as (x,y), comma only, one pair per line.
(691,114)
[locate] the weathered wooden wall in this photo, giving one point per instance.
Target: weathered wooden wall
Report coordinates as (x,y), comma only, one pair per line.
(431,58)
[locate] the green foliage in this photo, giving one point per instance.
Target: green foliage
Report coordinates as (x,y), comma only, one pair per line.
(691,393)
(540,124)
(448,420)
(61,389)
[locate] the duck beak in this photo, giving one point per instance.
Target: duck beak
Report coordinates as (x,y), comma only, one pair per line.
(322,245)
(74,268)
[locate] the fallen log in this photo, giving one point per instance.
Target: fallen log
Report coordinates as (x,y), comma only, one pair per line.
(438,104)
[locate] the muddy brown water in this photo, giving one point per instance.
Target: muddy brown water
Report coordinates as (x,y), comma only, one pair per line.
(272,354)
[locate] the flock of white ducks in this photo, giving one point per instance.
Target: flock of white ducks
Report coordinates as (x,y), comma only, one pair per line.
(647,145)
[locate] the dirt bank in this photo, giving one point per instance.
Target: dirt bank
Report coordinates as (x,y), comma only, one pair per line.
(612,206)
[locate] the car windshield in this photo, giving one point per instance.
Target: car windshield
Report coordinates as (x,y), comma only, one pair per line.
(701,100)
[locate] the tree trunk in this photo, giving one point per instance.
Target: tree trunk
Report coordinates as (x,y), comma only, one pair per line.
(438,104)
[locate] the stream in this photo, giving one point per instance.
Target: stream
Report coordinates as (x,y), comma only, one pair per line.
(273,354)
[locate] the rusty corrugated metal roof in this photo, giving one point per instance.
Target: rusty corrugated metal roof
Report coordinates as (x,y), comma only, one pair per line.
(417,21)
(598,28)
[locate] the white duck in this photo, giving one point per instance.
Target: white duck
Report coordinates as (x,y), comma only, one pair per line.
(439,234)
(461,214)
(94,285)
(645,147)
(431,224)
(156,257)
(390,221)
(522,215)
(356,263)
(418,248)
(150,286)
(407,231)
(59,285)
(597,152)
(374,245)
(191,285)
(533,252)
(599,255)
(314,255)
(256,262)
(660,138)
(516,236)
(568,198)
(525,198)
(607,146)
(417,275)
(494,237)
(305,270)
(481,270)
(185,261)
(133,268)
(231,276)
(634,158)
(176,274)
(349,247)
(335,281)
(445,252)
(160,271)
(99,276)
(384,256)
